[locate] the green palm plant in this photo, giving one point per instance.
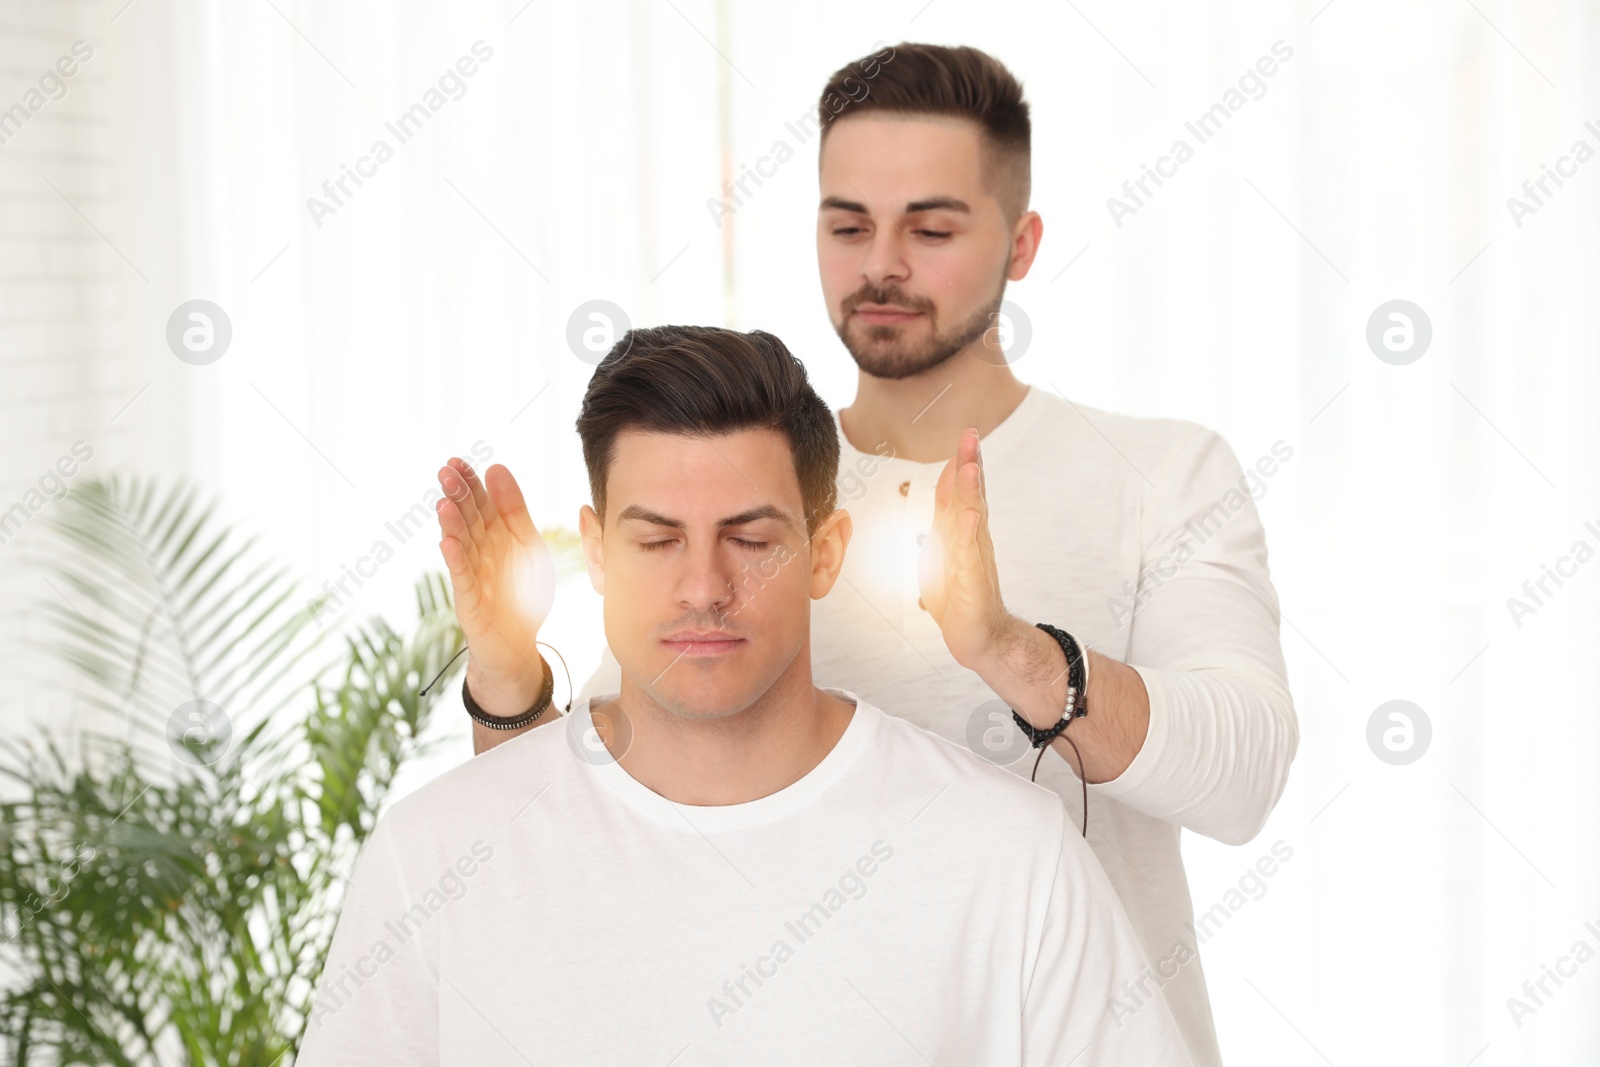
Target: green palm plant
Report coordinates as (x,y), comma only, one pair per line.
(169,886)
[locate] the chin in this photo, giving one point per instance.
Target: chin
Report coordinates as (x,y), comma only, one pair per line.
(707,692)
(702,705)
(894,361)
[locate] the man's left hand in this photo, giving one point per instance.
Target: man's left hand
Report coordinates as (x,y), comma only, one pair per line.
(959,583)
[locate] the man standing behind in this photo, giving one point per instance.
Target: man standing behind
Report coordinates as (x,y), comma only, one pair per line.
(1137,539)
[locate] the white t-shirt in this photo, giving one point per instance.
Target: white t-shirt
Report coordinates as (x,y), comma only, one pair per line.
(1141,538)
(902,903)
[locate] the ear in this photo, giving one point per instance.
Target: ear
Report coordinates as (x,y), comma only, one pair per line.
(1025,237)
(827,552)
(591,526)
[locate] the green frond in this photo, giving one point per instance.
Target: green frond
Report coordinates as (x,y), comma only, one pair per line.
(148,903)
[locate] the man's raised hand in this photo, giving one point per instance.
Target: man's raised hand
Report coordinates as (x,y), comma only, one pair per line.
(959,583)
(504,582)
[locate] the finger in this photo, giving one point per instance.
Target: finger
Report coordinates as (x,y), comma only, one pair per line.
(950,477)
(977,457)
(978,555)
(986,553)
(510,506)
(973,453)
(965,564)
(460,494)
(970,485)
(971,556)
(451,524)
(980,501)
(948,517)
(480,495)
(463,579)
(945,487)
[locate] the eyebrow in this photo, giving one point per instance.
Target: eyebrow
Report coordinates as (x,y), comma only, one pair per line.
(635,513)
(937,203)
(933,203)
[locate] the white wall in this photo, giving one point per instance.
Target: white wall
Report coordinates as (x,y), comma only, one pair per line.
(62,294)
(429,311)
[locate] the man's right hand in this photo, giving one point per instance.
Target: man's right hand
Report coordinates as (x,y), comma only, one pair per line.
(504,581)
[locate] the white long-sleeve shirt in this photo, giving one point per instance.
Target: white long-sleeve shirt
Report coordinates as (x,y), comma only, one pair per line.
(904,902)
(1141,538)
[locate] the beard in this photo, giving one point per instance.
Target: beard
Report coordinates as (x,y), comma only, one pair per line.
(887,351)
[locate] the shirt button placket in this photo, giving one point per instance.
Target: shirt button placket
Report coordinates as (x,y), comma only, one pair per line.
(903,616)
(919,516)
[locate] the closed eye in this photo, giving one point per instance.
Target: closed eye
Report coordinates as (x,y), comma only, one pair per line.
(932,235)
(651,546)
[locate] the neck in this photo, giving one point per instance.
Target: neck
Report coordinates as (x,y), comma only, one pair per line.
(731,759)
(921,417)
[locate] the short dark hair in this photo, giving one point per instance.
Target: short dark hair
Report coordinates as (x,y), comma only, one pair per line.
(930,79)
(701,381)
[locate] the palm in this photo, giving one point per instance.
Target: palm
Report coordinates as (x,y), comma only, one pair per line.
(501,569)
(959,583)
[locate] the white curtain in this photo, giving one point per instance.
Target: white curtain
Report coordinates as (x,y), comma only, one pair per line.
(428,316)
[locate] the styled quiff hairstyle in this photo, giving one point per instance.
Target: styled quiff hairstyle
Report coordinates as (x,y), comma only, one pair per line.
(701,381)
(931,79)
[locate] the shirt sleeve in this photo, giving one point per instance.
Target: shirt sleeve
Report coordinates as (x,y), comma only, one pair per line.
(1092,1000)
(378,998)
(1205,641)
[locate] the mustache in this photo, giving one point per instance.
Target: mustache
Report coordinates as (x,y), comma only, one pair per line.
(715,621)
(888,294)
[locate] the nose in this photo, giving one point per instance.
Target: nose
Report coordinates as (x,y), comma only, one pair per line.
(885,261)
(706,586)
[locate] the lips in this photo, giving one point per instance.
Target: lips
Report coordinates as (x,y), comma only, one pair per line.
(884,314)
(703,642)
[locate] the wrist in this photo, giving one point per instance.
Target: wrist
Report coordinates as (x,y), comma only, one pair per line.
(1040,677)
(1024,667)
(503,695)
(1006,650)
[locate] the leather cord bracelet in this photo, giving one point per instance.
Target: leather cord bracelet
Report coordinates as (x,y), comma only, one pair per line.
(515,722)
(1077,707)
(1077,689)
(500,722)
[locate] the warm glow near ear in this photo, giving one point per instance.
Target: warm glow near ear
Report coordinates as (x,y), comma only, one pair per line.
(533,581)
(884,558)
